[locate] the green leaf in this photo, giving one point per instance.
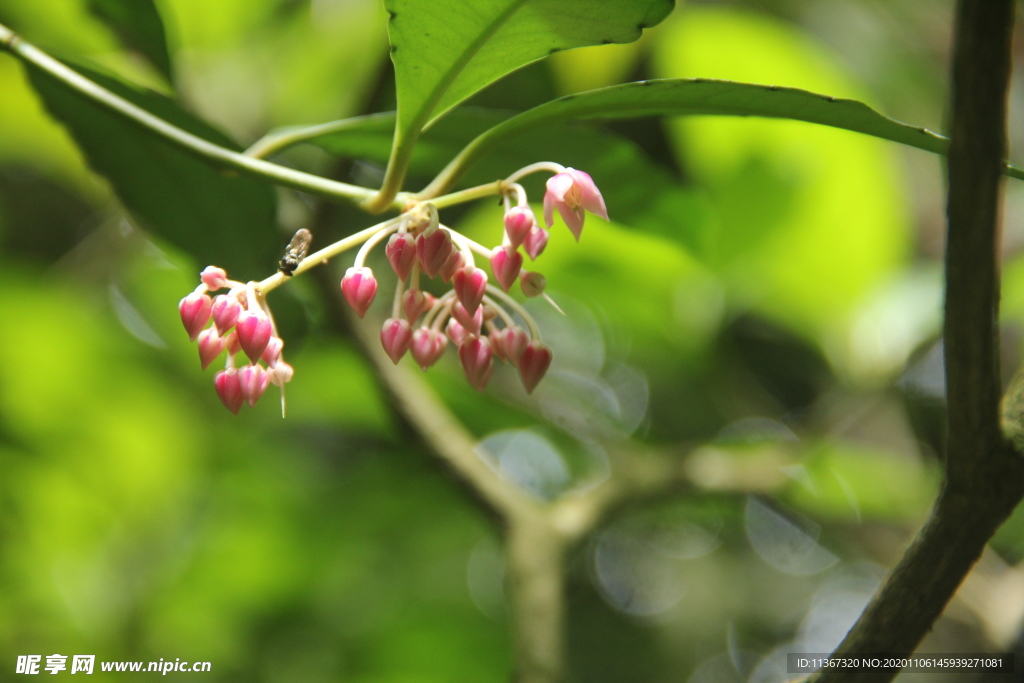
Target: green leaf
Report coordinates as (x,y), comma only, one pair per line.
(137,24)
(222,219)
(659,205)
(446,50)
(692,97)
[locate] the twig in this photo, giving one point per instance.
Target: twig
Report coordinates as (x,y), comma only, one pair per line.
(984,476)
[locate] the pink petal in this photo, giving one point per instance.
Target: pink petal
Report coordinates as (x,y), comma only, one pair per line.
(533,365)
(254,332)
(477,360)
(590,196)
(359,287)
(396,336)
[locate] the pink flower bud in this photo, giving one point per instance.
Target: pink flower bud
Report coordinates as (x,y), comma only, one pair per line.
(231,343)
(477,360)
(506,263)
(272,354)
(280,374)
(433,250)
(535,242)
(415,303)
(210,346)
(359,287)
(453,265)
(572,192)
(456,332)
(533,284)
(229,390)
(535,361)
(470,323)
(254,332)
(513,343)
(496,346)
(214,278)
(226,310)
(469,284)
(396,336)
(518,222)
(195,313)
(252,382)
(427,346)
(401,252)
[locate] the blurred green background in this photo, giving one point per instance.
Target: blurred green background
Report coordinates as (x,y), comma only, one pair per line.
(764,287)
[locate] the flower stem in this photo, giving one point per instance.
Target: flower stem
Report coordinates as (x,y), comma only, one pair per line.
(322,256)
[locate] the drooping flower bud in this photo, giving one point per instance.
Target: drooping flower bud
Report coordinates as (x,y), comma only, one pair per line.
(401,253)
(535,242)
(226,310)
(231,343)
(513,341)
(533,284)
(214,278)
(229,390)
(210,346)
(254,331)
(470,323)
(469,284)
(454,264)
(396,336)
(252,382)
(272,354)
(533,364)
(433,250)
(477,360)
(359,287)
(572,192)
(280,374)
(496,346)
(195,313)
(427,346)
(415,303)
(518,222)
(506,263)
(456,332)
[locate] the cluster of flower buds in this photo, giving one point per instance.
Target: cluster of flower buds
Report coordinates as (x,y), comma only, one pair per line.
(476,316)
(241,324)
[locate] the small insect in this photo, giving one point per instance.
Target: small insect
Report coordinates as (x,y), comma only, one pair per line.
(296,251)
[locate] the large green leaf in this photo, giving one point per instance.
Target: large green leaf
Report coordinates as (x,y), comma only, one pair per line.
(222,219)
(688,97)
(660,204)
(446,50)
(138,25)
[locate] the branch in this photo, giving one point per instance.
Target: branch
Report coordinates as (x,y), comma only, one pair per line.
(984,476)
(193,144)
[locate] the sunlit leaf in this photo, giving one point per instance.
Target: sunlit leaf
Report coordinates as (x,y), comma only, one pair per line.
(138,25)
(445,51)
(707,97)
(809,219)
(222,219)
